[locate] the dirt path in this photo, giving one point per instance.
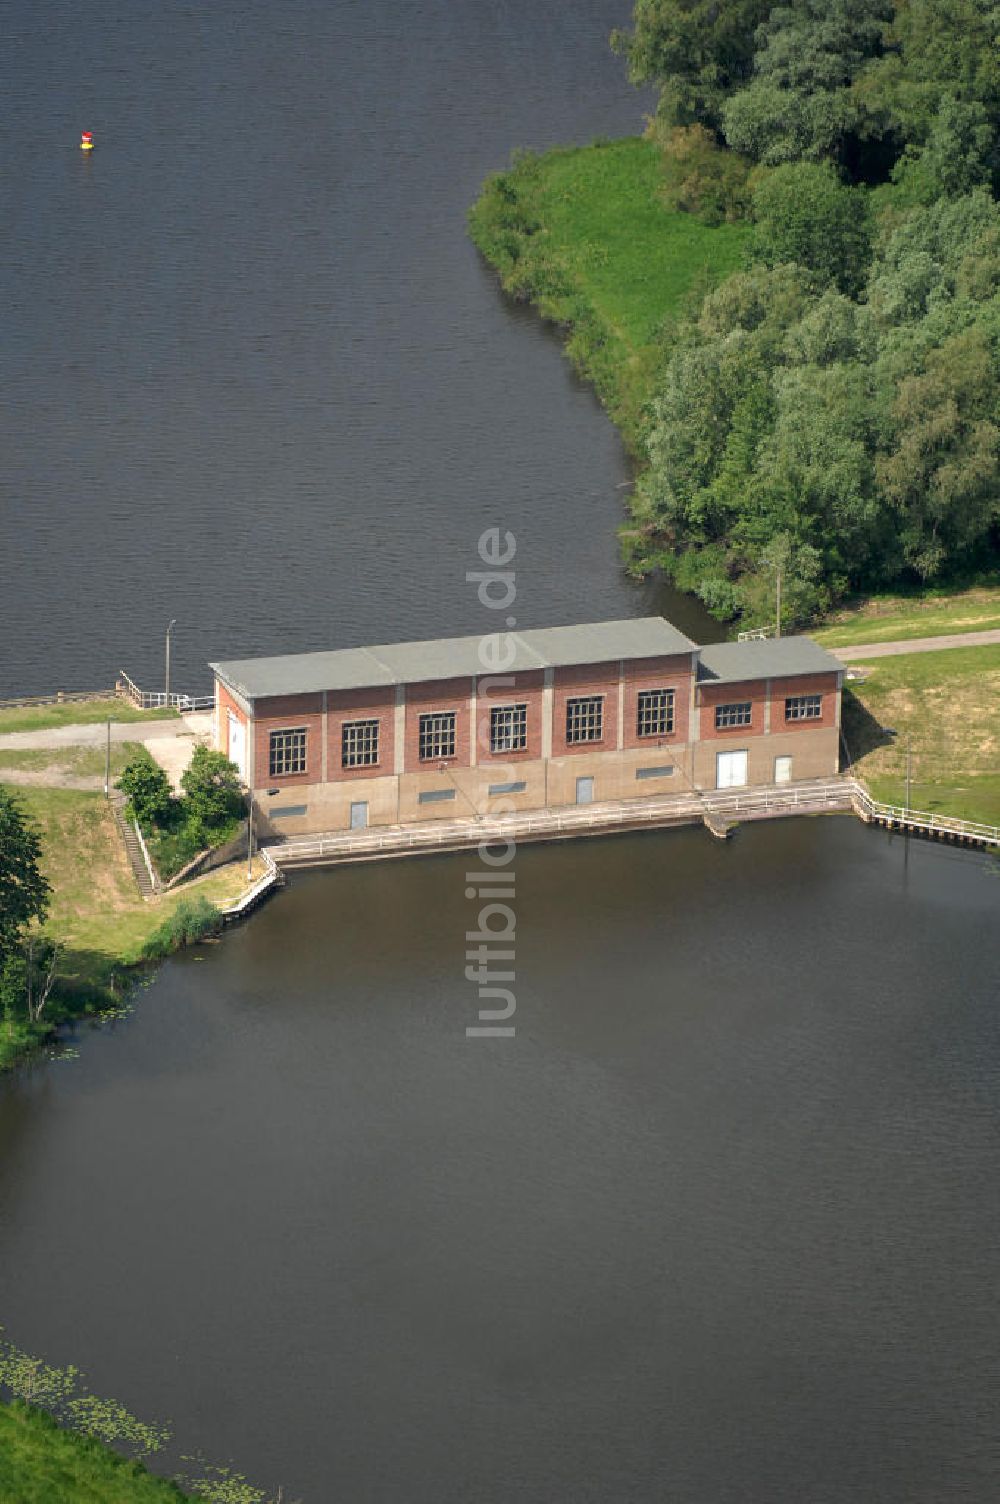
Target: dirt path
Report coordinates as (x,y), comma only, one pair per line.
(916,645)
(52,778)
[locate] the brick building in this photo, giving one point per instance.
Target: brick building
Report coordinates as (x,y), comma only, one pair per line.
(462,726)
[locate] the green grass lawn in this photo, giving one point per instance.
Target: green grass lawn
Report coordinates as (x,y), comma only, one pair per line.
(40,1463)
(583,234)
(899,617)
(76,713)
(946,705)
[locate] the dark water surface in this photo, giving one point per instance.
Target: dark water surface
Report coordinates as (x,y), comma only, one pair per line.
(256,376)
(719,1224)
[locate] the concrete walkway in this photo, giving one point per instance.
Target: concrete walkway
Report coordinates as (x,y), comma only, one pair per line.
(916,645)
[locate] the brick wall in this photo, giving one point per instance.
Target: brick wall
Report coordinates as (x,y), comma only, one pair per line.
(660,673)
(227,705)
(360,705)
(526,690)
(288,713)
(804,684)
(587,679)
(442,695)
(711,695)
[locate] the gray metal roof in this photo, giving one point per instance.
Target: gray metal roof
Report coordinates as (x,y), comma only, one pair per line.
(770,658)
(450,658)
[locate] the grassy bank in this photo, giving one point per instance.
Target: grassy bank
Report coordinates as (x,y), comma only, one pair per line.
(932,613)
(40,1463)
(97,915)
(583,234)
(944,706)
(76,713)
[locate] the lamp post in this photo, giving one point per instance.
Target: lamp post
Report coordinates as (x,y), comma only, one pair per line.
(777,624)
(908,781)
(166,677)
(249,835)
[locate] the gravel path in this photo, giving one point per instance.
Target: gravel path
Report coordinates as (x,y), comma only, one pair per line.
(916,645)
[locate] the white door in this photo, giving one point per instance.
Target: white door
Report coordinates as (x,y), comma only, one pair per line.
(782,770)
(730,770)
(359,815)
(238,745)
(584,791)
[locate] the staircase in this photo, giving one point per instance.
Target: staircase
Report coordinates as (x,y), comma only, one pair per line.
(134,851)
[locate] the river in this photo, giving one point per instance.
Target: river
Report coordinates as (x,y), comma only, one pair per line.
(720,1223)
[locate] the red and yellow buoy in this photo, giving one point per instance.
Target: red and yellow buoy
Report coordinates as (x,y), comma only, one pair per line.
(87,141)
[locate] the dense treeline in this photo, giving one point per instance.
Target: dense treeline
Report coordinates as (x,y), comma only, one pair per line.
(832,408)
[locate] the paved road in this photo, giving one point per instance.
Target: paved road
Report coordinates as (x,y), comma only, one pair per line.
(915,645)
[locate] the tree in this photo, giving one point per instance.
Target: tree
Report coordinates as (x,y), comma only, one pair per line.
(804,214)
(942,475)
(212,789)
(801,103)
(147,788)
(960,155)
(24,890)
(698,51)
(935,48)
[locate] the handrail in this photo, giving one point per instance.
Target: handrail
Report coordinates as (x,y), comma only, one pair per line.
(922,819)
(818,794)
(144,699)
(154,880)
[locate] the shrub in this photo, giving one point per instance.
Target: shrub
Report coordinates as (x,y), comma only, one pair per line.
(700,177)
(147,789)
(191,921)
(211,784)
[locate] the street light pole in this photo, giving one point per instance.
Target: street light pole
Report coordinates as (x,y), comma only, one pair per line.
(166,677)
(107,764)
(249,835)
(777,629)
(907,775)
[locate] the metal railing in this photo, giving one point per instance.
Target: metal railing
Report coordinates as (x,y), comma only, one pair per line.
(153,878)
(922,821)
(270,879)
(818,795)
(755,634)
(158,699)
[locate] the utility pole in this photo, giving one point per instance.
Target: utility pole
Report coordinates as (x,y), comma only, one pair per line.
(107,764)
(249,836)
(777,628)
(166,676)
(907,775)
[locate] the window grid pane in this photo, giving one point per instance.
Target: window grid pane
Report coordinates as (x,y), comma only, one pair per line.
(585,719)
(737,714)
(655,713)
(287,752)
(803,707)
(359,744)
(437,735)
(508,728)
